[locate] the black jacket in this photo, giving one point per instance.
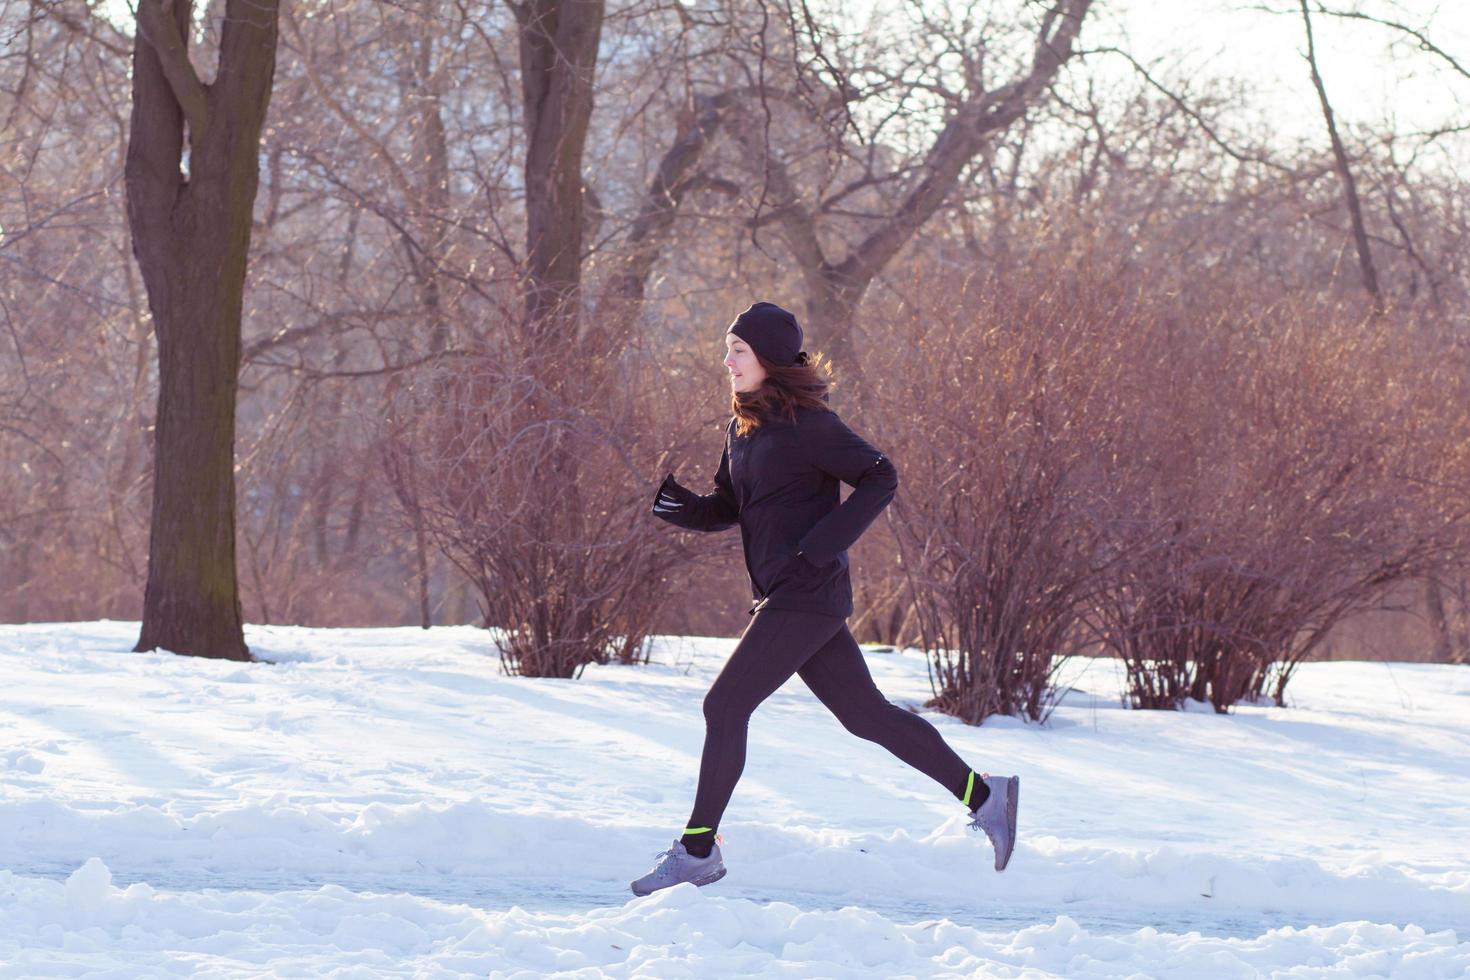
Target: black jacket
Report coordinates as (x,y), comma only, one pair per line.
(780,484)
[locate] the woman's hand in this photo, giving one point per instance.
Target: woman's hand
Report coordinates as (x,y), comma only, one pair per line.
(798,565)
(684,508)
(667,501)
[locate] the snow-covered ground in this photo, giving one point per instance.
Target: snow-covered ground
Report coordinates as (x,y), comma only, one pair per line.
(381,802)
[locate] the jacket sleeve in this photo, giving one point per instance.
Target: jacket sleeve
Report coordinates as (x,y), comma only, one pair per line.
(699,512)
(835,449)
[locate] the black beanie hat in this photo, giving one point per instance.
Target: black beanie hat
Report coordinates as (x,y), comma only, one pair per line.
(773,332)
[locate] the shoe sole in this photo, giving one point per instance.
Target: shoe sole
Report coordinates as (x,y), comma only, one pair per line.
(701,881)
(1013,793)
(710,879)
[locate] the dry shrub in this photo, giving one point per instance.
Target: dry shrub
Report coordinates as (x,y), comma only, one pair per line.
(996,400)
(527,474)
(1198,483)
(1288,469)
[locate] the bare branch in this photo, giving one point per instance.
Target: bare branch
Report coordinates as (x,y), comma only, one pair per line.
(962,137)
(1344,172)
(1183,105)
(1421,39)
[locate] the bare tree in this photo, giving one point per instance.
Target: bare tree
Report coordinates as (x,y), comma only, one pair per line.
(1450,641)
(1344,171)
(835,287)
(795,159)
(191,236)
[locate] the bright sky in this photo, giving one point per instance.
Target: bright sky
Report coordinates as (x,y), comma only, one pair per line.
(1372,73)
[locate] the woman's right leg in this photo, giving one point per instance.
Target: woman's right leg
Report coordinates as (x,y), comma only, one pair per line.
(838,675)
(775,644)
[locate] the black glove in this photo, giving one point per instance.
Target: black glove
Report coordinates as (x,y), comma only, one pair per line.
(670,498)
(684,508)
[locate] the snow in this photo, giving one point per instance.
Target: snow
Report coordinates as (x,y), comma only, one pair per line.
(382,802)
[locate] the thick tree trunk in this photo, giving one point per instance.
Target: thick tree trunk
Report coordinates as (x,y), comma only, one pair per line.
(191,602)
(558,48)
(191,237)
(831,318)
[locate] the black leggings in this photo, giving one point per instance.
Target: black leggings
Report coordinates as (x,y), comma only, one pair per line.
(777,643)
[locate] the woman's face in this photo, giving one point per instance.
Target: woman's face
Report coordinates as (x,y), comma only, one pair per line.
(746,374)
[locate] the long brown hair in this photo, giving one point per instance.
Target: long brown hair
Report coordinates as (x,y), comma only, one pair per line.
(784,390)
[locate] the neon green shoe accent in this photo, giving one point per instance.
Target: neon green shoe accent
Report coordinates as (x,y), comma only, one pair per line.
(969,785)
(697,830)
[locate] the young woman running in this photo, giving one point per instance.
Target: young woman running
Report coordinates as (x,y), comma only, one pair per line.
(785,452)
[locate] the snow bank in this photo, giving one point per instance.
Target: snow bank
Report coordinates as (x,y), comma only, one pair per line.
(86,923)
(474,841)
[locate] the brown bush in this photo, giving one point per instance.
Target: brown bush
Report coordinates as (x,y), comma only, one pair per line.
(535,478)
(1201,484)
(1299,465)
(522,485)
(997,399)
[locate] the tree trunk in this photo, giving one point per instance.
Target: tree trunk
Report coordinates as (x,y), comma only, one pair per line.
(558,52)
(622,301)
(1438,623)
(191,236)
(421,87)
(831,319)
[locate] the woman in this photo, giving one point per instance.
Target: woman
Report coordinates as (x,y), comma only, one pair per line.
(785,452)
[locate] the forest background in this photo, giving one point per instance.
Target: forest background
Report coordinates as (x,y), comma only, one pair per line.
(1170,344)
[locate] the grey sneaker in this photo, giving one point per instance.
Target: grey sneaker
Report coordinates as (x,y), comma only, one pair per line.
(679,865)
(997,816)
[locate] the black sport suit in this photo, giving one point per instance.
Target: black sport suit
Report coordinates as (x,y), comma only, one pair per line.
(780,484)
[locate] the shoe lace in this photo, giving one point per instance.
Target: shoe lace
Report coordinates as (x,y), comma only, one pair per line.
(663,863)
(668,852)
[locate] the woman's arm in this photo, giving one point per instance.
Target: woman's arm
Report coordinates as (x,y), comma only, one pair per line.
(835,449)
(699,512)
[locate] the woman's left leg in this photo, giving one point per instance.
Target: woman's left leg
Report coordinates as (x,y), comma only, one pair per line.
(774,645)
(838,675)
